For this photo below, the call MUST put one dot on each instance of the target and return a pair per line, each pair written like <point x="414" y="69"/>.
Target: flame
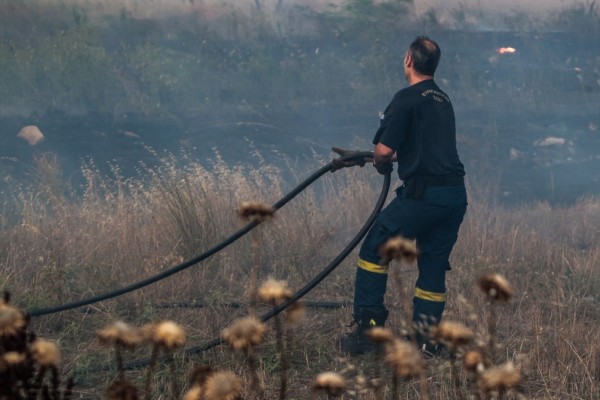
<point x="506" y="50"/>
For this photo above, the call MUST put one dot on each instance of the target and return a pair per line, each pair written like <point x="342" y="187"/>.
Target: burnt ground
<point x="528" y="124"/>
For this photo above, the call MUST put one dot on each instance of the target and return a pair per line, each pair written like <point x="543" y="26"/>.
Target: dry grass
<point x="57" y="247"/>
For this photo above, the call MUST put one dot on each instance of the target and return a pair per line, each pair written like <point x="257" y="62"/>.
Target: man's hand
<point x="339" y="164"/>
<point x="384" y="168"/>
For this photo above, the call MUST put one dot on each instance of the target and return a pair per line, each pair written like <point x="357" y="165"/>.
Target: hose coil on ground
<point x="347" y="159"/>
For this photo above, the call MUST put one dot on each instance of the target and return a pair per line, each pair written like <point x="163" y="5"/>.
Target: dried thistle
<point x="12" y="320"/>
<point x="200" y="374"/>
<point x="194" y="393"/>
<point x="167" y="334"/>
<point x="380" y="335"/>
<point x="255" y="211"/>
<point x="404" y="357"/>
<point x="274" y="292"/>
<point x="120" y="333"/>
<point x="400" y="249"/>
<point x="495" y="286"/>
<point x="122" y="390"/>
<point x="223" y="386"/>
<point x="453" y="334"/>
<point x="361" y="381"/>
<point x="14" y="357"/>
<point x="332" y="383"/>
<point x="500" y="379"/>
<point x="45" y="353"/>
<point x="474" y="361"/>
<point x="295" y="313"/>
<point x="244" y="333"/>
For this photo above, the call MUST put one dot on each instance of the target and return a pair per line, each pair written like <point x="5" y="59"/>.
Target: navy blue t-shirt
<point x="419" y="126"/>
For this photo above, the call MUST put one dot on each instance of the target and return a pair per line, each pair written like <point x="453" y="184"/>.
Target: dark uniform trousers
<point x="433" y="218"/>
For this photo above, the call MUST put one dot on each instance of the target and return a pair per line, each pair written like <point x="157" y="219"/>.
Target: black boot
<point x="356" y="343"/>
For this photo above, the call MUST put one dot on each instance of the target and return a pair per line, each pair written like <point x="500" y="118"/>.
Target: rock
<point x="549" y="141"/>
<point x="131" y="134"/>
<point x="31" y="134"/>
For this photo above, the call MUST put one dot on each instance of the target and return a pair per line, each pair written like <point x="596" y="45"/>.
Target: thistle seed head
<point x="244" y="333"/>
<point x="255" y="211"/>
<point x="13" y="357"/>
<point x="379" y="334"/>
<point x="332" y="383"/>
<point x="12" y="320"/>
<point x="495" y="286"/>
<point x="295" y="313"/>
<point x="167" y="334"/>
<point x="501" y="378"/>
<point x="400" y="249"/>
<point x="223" y="386"/>
<point x="45" y="353"/>
<point x="361" y="381"/>
<point x="404" y="357"/>
<point x="452" y="334"/>
<point x="194" y="393"/>
<point x="474" y="361"/>
<point x="274" y="292"/>
<point x="119" y="333"/>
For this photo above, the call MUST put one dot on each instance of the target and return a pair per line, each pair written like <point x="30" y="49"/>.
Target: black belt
<point x="415" y="186"/>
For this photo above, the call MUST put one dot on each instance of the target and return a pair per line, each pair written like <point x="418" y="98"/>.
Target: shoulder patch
<point x="436" y="95"/>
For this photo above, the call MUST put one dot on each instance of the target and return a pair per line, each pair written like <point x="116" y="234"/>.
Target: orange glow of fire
<point x="506" y="50"/>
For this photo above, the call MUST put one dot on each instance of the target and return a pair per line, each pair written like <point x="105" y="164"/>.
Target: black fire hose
<point x="309" y="286"/>
<point x="347" y="159"/>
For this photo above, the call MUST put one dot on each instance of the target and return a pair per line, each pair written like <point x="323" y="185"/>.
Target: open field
<point x="55" y="249"/>
<point x="157" y="129"/>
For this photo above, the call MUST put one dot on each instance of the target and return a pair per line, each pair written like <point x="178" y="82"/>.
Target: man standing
<point x="418" y="131"/>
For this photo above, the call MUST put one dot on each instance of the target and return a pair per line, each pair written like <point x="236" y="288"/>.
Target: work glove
<point x="384" y="168"/>
<point x="339" y="164"/>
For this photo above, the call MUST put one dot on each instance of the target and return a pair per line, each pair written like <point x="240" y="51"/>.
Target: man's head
<point x="422" y="58"/>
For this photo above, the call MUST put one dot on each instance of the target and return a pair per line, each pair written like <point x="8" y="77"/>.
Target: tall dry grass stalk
<point x="166" y="337"/>
<point x="259" y="213"/>
<point x="456" y="337"/>
<point x="404" y="252"/>
<point x="120" y="336"/>
<point x="274" y="293"/>
<point x="497" y="290"/>
<point x="245" y="334"/>
<point x="406" y="363"/>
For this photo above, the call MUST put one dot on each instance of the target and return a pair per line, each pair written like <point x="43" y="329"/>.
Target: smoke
<point x="537" y="7"/>
<point x="266" y="81"/>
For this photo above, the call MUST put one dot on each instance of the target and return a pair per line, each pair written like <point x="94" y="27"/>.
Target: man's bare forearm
<point x="383" y="154"/>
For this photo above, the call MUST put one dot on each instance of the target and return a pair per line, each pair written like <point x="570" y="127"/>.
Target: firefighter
<point x="417" y="130"/>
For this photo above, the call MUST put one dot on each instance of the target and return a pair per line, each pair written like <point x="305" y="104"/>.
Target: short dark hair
<point x="425" y="54"/>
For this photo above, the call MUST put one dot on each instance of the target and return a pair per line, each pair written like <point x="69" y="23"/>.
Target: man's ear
<point x="408" y="59"/>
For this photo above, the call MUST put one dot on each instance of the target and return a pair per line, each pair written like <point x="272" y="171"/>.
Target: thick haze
<point x="105" y="80"/>
<point x="530" y="6"/>
<point x="151" y="7"/>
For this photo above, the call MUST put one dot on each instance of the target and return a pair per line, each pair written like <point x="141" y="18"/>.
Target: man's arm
<point x="383" y="154"/>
